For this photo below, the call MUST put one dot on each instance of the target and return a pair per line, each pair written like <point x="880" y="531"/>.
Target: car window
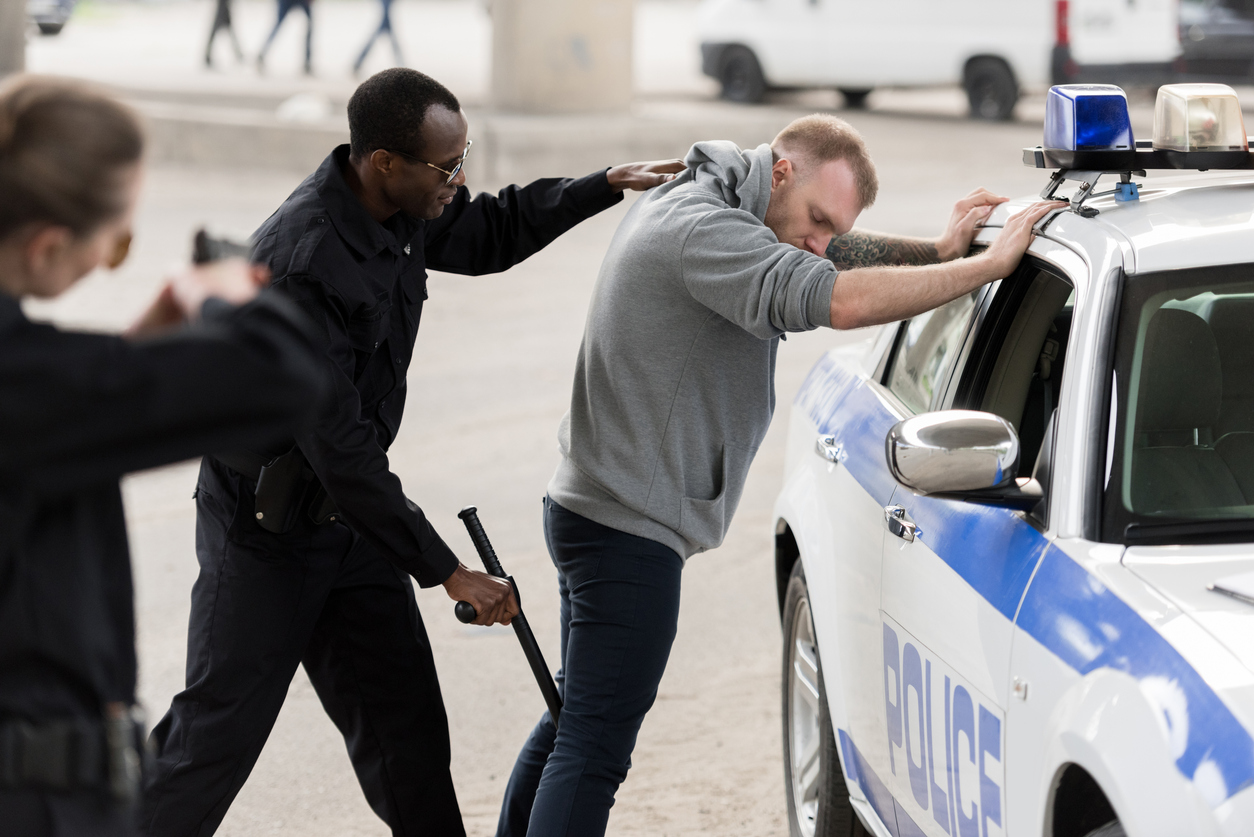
<point x="925" y="350"/>
<point x="1016" y="363"/>
<point x="1180" y="452"/>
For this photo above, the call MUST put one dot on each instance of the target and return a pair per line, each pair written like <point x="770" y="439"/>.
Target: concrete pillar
<point x="561" y="56"/>
<point x="12" y="36"/>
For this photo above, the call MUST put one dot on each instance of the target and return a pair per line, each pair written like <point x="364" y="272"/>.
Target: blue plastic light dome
<point x="1088" y="117"/>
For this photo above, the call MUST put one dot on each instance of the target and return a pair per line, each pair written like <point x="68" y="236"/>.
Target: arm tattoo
<point x="868" y="249"/>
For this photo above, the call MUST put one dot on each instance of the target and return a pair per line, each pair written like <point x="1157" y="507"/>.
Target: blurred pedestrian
<point x="286" y="6"/>
<point x="79" y="410"/>
<point x="385" y="28"/>
<point x="222" y="21"/>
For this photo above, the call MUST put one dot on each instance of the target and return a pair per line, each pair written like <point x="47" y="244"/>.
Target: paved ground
<point x="159" y="45"/>
<point x="489" y="382"/>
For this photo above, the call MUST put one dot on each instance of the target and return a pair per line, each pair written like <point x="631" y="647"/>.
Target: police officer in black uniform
<point x="76" y="412"/>
<point x="306" y="548"/>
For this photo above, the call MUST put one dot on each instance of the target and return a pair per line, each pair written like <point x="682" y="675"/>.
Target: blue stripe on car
<point x="885" y="805"/>
<point x="825" y="388"/>
<point x="876" y="792"/>
<point x="1067" y="609"/>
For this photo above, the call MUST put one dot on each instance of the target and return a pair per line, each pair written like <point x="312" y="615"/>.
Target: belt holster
<point x="283" y="489"/>
<point x="75" y="753"/>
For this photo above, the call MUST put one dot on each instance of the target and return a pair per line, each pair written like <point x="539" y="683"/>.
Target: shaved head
<point x="813" y="141"/>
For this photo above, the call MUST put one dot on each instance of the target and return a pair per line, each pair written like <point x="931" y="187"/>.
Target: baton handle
<point x="470" y="516"/>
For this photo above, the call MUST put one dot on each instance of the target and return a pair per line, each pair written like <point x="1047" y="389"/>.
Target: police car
<point x="1015" y="541"/>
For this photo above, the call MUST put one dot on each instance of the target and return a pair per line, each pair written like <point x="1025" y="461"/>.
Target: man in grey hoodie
<point x="674" y="390"/>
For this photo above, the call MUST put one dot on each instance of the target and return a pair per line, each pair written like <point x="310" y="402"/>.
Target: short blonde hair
<point x="821" y="138"/>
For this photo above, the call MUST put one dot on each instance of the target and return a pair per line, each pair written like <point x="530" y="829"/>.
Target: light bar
<point x="1199" y="118"/>
<point x="1196" y="126"/>
<point x="1087" y="117"/>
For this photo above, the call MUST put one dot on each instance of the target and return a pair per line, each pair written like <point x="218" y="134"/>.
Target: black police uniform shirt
<point x="76" y="412"/>
<point x="363" y="284"/>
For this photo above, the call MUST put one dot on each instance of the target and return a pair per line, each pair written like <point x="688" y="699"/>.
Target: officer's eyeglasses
<point x="118" y="253"/>
<point x="451" y="174"/>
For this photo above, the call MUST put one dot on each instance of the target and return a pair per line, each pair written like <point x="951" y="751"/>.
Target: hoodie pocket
<point x="703" y="522"/>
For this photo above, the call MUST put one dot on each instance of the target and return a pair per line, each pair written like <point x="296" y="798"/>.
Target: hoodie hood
<point x="742" y="179"/>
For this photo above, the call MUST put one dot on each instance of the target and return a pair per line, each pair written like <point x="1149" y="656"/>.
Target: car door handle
<point x="900" y="524"/>
<point x="828" y="448"/>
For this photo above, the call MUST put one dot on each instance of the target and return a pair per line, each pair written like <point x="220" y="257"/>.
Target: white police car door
<point x="953" y="575"/>
<point x="842" y="486"/>
<point x="946" y="653"/>
<point x="854" y="491"/>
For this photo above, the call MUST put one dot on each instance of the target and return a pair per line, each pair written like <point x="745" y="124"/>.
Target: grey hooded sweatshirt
<point x="675" y="381"/>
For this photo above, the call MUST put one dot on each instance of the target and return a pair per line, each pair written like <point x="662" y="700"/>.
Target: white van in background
<point x="993" y="48"/>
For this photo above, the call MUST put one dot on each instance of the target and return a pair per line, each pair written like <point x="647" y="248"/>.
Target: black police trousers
<point x="264" y="603"/>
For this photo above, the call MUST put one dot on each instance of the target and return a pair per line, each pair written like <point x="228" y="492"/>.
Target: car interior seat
<point x="1045" y="390"/>
<point x="1028" y="369"/>
<point x="1174" y="466"/>
<point x="1232" y="322"/>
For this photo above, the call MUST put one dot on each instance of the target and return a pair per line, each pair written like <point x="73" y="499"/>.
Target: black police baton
<point x="465" y="612"/>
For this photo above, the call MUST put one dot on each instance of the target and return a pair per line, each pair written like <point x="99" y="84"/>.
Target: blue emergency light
<point x="1087" y="117"/>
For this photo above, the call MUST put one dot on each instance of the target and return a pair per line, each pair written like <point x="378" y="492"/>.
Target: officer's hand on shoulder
<point x="641" y="176"/>
<point x="492" y="597"/>
<point x="182" y="297"/>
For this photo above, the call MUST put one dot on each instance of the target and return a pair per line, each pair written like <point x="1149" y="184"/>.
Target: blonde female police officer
<point x="76" y="412"/>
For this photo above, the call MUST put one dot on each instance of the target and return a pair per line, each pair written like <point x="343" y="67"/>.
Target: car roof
<point x="1181" y="220"/>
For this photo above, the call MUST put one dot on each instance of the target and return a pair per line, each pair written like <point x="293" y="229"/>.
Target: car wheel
<point x="818" y="798"/>
<point x="991" y="89"/>
<point x="1110" y="829"/>
<point x="855" y="98"/>
<point x="51" y="28"/>
<point x="741" y="76"/>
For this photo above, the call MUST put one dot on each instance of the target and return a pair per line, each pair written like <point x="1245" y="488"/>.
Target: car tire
<point x="1110" y="829"/>
<point x="992" y="91"/>
<point x="50" y="28"/>
<point x="818" y="798"/>
<point x="741" y="76"/>
<point x="855" y="98"/>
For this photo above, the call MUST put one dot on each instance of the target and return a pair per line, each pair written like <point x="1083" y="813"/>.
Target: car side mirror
<point x="962" y="455"/>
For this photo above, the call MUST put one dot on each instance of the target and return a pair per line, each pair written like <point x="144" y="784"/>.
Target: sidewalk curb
<point x="234" y="137"/>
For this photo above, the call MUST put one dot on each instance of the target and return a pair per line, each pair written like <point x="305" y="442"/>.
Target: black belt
<point x="74" y="753"/>
<point x="245" y="462"/>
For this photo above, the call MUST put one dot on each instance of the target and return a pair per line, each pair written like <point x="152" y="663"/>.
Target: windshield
<point x="1180" y="447"/>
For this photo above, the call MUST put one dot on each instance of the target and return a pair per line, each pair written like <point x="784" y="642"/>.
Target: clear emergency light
<point x="1088" y="117"/>
<point x="1199" y="118"/>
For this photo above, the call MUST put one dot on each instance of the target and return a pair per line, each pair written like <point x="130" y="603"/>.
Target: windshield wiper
<point x="1231" y="530"/>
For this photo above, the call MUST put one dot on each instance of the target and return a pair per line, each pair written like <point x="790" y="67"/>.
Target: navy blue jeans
<point x="619" y="609"/>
